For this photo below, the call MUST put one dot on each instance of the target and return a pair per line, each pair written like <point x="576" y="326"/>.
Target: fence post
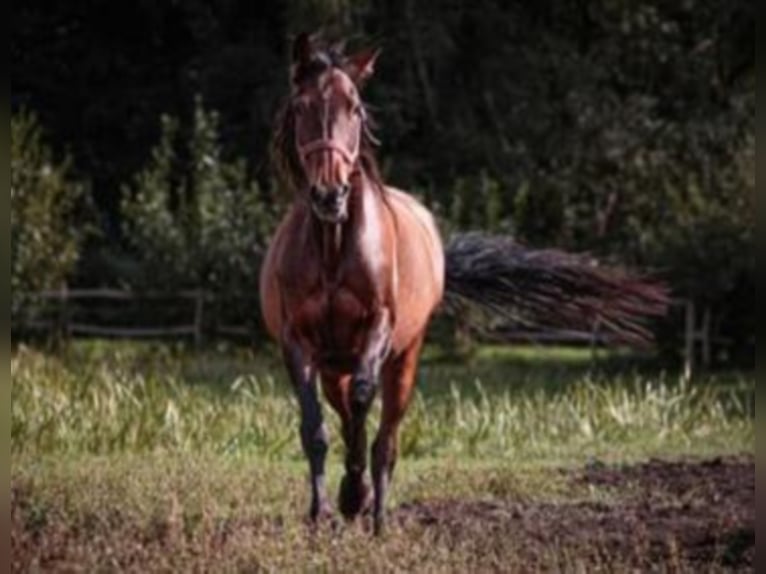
<point x="689" y="336"/>
<point x="593" y="343"/>
<point x="199" y="310"/>
<point x="63" y="315"/>
<point x="705" y="335"/>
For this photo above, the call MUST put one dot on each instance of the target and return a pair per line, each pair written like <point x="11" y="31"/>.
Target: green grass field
<point x="152" y="458"/>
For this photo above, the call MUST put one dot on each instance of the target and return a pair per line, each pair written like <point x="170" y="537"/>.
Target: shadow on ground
<point x="686" y="516"/>
<point x="664" y="513"/>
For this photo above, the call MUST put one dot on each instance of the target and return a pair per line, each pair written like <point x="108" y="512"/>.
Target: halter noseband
<point x="328" y="144"/>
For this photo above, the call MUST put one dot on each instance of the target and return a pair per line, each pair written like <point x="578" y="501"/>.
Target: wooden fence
<point x="64" y="318"/>
<point x="698" y="323"/>
<point x="195" y="326"/>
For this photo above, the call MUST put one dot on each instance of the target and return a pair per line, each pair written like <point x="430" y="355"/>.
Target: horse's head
<point x="329" y="123"/>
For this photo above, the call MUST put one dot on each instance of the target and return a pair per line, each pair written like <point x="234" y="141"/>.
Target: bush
<point x="194" y="220"/>
<point x="44" y="237"/>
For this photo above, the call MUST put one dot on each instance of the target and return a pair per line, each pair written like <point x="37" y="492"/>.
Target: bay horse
<point x="357" y="268"/>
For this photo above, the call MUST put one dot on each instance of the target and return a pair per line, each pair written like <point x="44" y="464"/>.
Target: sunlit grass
<point x="108" y="403"/>
<point x="155" y="458"/>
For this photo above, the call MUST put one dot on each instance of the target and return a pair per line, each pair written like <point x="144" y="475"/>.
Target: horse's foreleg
<point x="366" y="375"/>
<point x="398" y="382"/>
<point x="313" y="431"/>
<point x="354" y="494"/>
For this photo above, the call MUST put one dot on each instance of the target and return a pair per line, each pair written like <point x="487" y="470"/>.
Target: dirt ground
<point x="692" y="516"/>
<point x="664" y="513"/>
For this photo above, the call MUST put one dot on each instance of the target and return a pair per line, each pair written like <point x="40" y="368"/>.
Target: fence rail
<point x="698" y="327"/>
<point x="194" y="326"/>
<point x="120" y="294"/>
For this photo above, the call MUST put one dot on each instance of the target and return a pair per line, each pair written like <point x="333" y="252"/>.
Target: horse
<point x="357" y="268"/>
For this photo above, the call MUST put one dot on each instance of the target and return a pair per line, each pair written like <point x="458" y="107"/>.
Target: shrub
<point x="44" y="236"/>
<point x="193" y="219"/>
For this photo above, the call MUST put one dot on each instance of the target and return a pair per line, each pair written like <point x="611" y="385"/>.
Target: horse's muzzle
<point x="330" y="204"/>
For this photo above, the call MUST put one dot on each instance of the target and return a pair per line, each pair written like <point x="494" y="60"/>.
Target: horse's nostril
<point x="338" y="193"/>
<point x="330" y="197"/>
<point x="315" y="193"/>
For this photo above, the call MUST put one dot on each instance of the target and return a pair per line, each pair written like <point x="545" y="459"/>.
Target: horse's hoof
<point x="319" y="514"/>
<point x="355" y="497"/>
<point x="379" y="525"/>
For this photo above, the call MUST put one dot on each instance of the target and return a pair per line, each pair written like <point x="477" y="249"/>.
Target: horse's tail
<point x="493" y="277"/>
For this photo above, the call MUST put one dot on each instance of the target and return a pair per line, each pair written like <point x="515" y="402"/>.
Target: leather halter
<point x="327" y="143"/>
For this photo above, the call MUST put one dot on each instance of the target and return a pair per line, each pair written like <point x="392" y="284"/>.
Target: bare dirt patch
<point x="687" y="514"/>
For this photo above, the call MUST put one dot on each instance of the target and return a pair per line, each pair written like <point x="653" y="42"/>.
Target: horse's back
<point x="420" y="266"/>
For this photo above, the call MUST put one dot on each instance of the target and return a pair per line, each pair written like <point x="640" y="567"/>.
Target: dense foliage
<point x="619" y="128"/>
<point x="44" y="233"/>
<point x="192" y="218"/>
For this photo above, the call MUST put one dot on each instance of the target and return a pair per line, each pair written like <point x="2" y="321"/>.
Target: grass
<point x="153" y="457"/>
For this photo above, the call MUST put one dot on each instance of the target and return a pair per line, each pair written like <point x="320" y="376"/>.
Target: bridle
<point x="327" y="143"/>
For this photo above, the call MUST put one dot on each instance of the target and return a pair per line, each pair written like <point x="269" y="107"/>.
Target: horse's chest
<point x="333" y="322"/>
<point x="332" y="308"/>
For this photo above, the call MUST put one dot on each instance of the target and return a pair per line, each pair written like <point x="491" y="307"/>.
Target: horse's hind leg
<point x="399" y="375"/>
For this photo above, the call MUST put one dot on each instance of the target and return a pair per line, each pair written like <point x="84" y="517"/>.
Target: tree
<point x="192" y="219"/>
<point x="577" y="124"/>
<point x="45" y="235"/>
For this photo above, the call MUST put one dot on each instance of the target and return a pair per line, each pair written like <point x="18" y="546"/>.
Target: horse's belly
<point x="420" y="269"/>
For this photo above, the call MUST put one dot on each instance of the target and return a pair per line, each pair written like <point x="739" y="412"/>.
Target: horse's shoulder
<point x="290" y="251"/>
<point x="290" y="227"/>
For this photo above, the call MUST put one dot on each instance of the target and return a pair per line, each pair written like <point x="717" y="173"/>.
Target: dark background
<point x="626" y="129"/>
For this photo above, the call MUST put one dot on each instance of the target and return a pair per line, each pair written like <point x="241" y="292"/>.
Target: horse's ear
<point x="302" y="54"/>
<point x="301" y="51"/>
<point x="361" y="65"/>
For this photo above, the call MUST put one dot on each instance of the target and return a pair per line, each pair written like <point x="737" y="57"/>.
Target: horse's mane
<point x="284" y="153"/>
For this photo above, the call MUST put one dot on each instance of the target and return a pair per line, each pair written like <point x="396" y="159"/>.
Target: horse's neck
<point x="338" y="241"/>
<point x="331" y="236"/>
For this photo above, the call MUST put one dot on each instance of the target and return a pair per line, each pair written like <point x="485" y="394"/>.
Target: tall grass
<point x="112" y="403"/>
